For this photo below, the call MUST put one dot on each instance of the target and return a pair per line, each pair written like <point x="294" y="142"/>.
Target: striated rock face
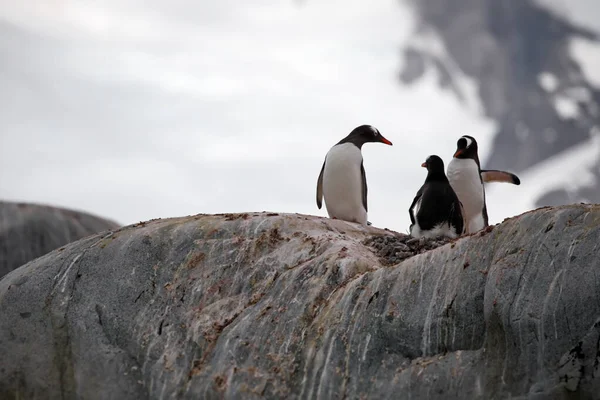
<point x="294" y="306"/>
<point x="28" y="231"/>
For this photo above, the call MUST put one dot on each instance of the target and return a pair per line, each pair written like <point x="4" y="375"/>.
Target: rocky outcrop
<point x="28" y="231"/>
<point x="294" y="306"/>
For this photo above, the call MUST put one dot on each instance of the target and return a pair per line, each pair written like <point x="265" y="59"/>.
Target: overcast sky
<point x="136" y="109"/>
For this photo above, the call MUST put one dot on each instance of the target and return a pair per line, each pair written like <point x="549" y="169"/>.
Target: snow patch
<point x="587" y="53"/>
<point x="548" y="81"/>
<point x="566" y="107"/>
<point x="582" y="13"/>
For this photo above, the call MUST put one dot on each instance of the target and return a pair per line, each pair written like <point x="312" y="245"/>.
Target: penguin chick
<point x="343" y="181"/>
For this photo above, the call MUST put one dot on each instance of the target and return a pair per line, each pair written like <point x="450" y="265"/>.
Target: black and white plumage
<point x="343" y="181"/>
<point x="436" y="210"/>
<point x="467" y="179"/>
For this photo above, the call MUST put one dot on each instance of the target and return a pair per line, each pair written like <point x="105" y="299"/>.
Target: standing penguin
<point x="343" y="181"/>
<point x="466" y="178"/>
<point x="436" y="210"/>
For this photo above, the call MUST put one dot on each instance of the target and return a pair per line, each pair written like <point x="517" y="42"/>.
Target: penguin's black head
<point x="434" y="164"/>
<point x="435" y="169"/>
<point x="365" y="134"/>
<point x="466" y="147"/>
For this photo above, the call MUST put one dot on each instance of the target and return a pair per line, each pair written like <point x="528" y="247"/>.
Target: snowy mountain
<point x="535" y="67"/>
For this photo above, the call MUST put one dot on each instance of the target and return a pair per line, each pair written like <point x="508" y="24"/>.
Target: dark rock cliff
<point x="294" y="306"/>
<point x="28" y="231"/>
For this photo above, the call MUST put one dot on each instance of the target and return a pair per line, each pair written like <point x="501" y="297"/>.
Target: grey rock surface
<point x="28" y="231"/>
<point x="294" y="306"/>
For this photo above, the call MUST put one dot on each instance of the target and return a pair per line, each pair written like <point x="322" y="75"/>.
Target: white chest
<point x="342" y="183"/>
<point x="465" y="179"/>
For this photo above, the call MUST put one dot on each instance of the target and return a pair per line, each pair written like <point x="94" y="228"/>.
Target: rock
<point x="28" y="231"/>
<point x="294" y="306"/>
<point x="393" y="249"/>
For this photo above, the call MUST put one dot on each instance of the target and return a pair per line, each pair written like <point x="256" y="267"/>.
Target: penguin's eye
<point x="464" y="142"/>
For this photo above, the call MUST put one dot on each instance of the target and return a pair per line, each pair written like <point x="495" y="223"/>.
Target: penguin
<point x="467" y="178"/>
<point x="436" y="210"/>
<point x="342" y="181"/>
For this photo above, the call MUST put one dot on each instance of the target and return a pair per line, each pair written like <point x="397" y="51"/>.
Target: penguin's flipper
<point x="492" y="175"/>
<point x="412" y="206"/>
<point x="363" y="177"/>
<point x="456" y="216"/>
<point x="320" y="186"/>
<point x="485" y="216"/>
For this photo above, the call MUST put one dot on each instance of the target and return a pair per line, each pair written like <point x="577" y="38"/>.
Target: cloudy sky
<point x="136" y="109"/>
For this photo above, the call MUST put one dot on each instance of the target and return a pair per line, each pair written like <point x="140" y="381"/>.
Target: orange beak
<point x="424" y="165"/>
<point x="384" y="140"/>
<point x="458" y="152"/>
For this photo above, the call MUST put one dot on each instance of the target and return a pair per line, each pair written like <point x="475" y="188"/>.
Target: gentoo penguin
<point x="343" y="181"/>
<point x="467" y="178"/>
<point x="436" y="210"/>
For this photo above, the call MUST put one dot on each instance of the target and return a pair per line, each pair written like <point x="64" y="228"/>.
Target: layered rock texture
<point x="294" y="306"/>
<point x="28" y="231"/>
